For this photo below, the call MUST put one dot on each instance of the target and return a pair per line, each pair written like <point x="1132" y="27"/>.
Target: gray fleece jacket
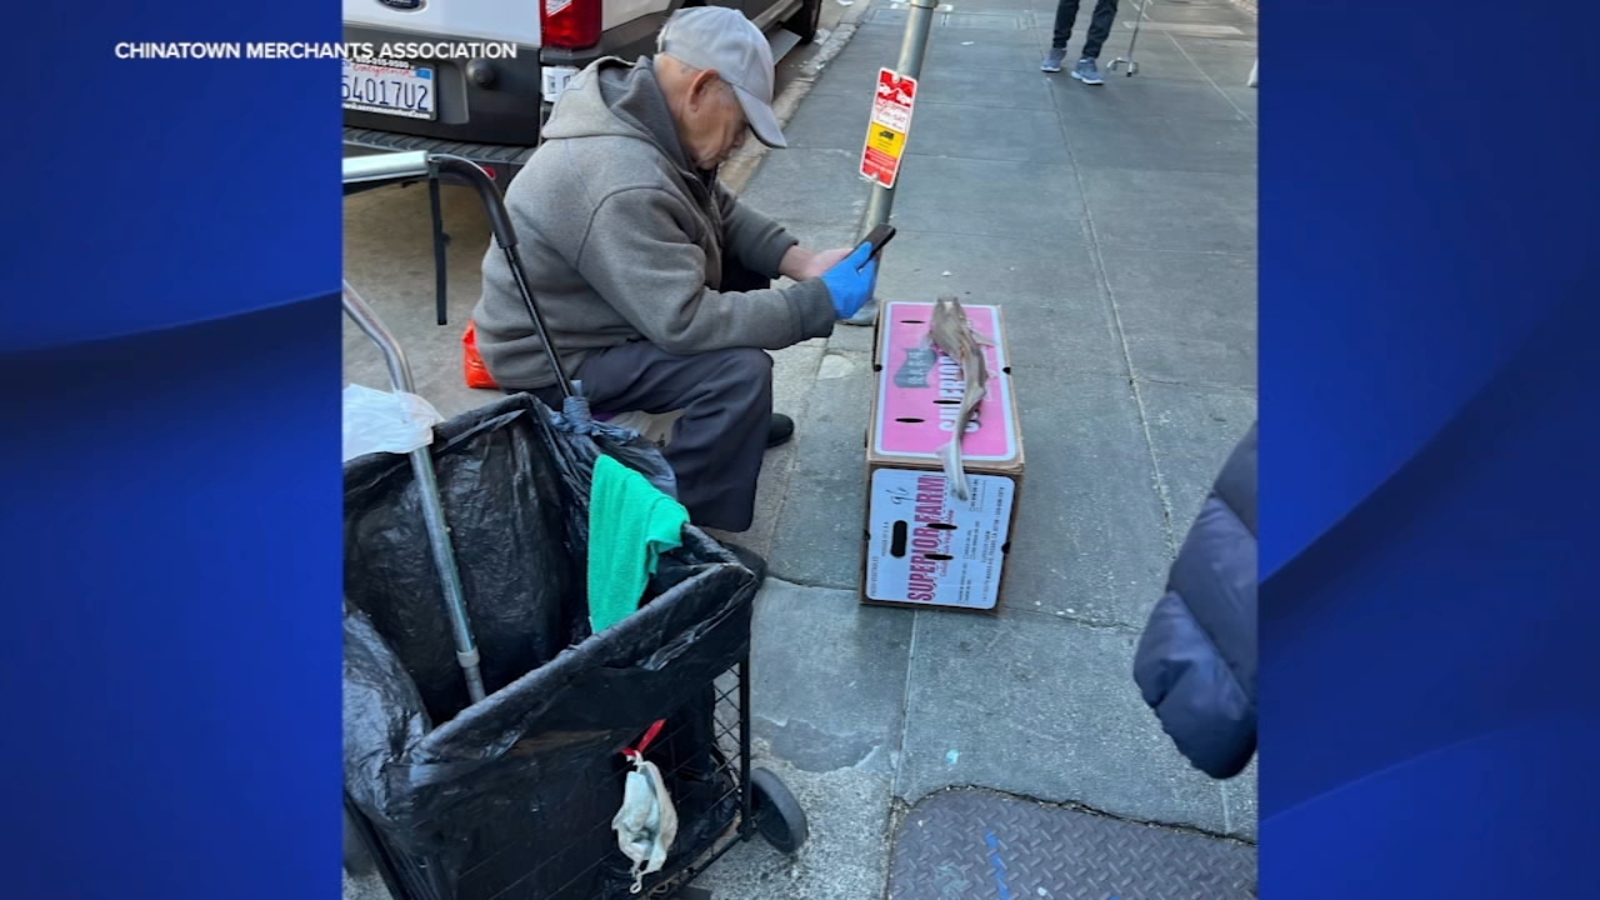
<point x="623" y="240"/>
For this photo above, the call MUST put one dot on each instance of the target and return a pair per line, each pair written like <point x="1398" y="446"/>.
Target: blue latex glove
<point x="851" y="282"/>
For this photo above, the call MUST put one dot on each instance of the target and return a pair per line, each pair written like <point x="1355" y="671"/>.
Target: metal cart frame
<point x="759" y="801"/>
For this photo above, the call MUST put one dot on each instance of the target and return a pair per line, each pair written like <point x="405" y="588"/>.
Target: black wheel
<point x="778" y="815"/>
<point x="805" y="20"/>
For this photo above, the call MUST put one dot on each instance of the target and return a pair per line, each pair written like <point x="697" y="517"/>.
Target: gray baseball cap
<point x="724" y="39"/>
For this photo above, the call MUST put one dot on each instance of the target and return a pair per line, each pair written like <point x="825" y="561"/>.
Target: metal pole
<point x="444" y="557"/>
<point x="441" y="264"/>
<point x="912" y="49"/>
<point x="386" y="167"/>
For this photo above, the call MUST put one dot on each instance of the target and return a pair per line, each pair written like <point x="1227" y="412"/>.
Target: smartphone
<point x="879" y="237"/>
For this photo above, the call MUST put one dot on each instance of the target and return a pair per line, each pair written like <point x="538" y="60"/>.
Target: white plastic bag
<point x="386" y="422"/>
<point x="656" y="428"/>
<point x="647" y="823"/>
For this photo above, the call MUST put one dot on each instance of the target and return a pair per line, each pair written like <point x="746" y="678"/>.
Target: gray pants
<point x="1105" y="15"/>
<point x="718" y="443"/>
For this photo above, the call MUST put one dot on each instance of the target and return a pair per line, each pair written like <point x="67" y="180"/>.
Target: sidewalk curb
<point x="737" y="172"/>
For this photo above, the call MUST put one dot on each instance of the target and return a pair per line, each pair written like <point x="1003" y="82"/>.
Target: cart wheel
<point x="778" y="815"/>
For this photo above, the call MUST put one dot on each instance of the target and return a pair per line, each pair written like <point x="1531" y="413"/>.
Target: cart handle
<point x="493" y="204"/>
<point x="414" y="164"/>
<point x="411" y="165"/>
<point x="506" y="237"/>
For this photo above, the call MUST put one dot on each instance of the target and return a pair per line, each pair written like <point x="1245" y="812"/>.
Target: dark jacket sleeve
<point x="1196" y="661"/>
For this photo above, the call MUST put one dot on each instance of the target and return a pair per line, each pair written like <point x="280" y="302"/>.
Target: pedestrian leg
<point x="1105" y="16"/>
<point x="719" y="440"/>
<point x="1066" y="14"/>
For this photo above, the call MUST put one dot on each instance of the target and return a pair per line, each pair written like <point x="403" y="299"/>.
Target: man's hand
<point x="801" y="264"/>
<point x="851" y="281"/>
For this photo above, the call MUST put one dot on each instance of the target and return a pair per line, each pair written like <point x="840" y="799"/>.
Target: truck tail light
<point x="570" y="24"/>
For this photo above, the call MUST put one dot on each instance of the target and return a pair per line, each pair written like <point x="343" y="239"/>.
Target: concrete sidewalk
<point x="1116" y="225"/>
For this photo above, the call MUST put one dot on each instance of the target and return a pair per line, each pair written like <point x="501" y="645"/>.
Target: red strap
<point x="644" y="742"/>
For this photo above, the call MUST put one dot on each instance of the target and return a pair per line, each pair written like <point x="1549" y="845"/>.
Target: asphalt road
<point x="796" y="59"/>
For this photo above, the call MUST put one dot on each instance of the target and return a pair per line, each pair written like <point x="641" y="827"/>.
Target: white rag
<point x="647" y="823"/>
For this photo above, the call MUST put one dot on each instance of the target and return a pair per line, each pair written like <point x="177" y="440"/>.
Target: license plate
<point x="390" y="88"/>
<point x="555" y="81"/>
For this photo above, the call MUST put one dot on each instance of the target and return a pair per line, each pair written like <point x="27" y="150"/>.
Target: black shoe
<point x="749" y="559"/>
<point x="780" y="431"/>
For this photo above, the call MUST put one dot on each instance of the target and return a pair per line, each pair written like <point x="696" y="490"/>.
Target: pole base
<point x="866" y="317"/>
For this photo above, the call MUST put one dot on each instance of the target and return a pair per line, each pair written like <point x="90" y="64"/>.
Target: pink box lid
<point x="911" y="422"/>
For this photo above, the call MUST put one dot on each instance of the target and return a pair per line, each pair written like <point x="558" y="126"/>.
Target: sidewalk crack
<point x="1209" y="80"/>
<point x="1216" y="386"/>
<point x="1080" y="622"/>
<point x="1086" y="809"/>
<point x="798" y="582"/>
<point x="1227" y="808"/>
<point x="897" y="760"/>
<point x="1097" y="255"/>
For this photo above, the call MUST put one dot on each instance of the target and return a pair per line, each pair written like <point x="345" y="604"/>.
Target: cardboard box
<point x="925" y="548"/>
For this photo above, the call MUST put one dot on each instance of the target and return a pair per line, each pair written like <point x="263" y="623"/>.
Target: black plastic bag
<point x="513" y="797"/>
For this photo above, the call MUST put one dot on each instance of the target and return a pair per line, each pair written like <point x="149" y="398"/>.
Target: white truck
<point x="490" y="108"/>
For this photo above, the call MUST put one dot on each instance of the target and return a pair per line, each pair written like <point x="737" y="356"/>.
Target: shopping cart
<point x="488" y="765"/>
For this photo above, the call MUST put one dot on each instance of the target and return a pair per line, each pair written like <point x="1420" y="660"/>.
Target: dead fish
<point x="952" y="333"/>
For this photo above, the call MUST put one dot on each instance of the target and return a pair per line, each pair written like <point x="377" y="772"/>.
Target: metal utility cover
<point x="976" y="845"/>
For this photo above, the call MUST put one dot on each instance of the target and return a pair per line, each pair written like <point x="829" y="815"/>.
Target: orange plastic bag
<point x="477" y="374"/>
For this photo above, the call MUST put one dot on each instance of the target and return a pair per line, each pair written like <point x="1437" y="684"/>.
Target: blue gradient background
<point x="169" y="458"/>
<point x="169" y="497"/>
<point x="1430" y="726"/>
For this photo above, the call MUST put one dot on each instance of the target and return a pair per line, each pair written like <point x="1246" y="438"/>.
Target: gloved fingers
<point x="854" y="261"/>
<point x="864" y="257"/>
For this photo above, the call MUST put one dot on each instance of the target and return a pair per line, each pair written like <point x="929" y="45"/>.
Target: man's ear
<point x="701" y="84"/>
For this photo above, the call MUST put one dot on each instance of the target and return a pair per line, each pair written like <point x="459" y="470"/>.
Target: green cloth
<point x="631" y="523"/>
